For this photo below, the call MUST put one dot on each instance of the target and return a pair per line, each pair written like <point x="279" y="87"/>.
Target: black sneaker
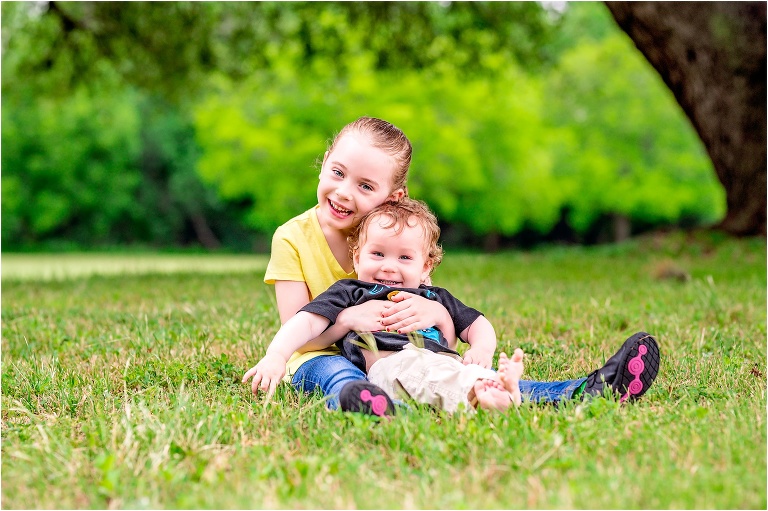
<point x="630" y="371"/>
<point x="365" y="397"/>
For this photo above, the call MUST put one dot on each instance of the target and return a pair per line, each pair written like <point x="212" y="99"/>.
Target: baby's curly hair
<point x="406" y="210"/>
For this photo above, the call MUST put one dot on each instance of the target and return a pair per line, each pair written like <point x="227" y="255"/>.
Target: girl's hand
<point x="409" y="312"/>
<point x="365" y="317"/>
<point x="266" y="374"/>
<point x="480" y="356"/>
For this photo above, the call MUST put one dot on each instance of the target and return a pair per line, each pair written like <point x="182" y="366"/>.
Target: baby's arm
<point x="482" y="342"/>
<point x="297" y="331"/>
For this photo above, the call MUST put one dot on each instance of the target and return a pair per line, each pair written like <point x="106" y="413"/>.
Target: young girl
<point x="366" y="165"/>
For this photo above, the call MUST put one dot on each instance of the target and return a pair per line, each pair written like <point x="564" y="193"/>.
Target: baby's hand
<point x="266" y="374"/>
<point x="411" y="312"/>
<point x="365" y="317"/>
<point x="479" y="356"/>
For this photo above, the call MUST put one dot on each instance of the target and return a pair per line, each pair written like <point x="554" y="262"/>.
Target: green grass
<point x="122" y="391"/>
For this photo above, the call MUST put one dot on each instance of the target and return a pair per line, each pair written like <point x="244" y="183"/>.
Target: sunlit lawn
<point x="72" y="265"/>
<point x="121" y="389"/>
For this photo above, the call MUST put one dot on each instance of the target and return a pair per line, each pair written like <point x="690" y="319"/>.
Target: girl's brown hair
<point x="387" y="137"/>
<point x="404" y="212"/>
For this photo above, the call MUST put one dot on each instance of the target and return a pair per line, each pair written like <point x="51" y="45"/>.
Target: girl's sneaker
<point x="630" y="371"/>
<point x="365" y="397"/>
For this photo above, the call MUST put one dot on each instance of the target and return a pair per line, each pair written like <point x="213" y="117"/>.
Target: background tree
<point x="525" y="124"/>
<point x="172" y="47"/>
<point x="712" y="55"/>
<point x="69" y="170"/>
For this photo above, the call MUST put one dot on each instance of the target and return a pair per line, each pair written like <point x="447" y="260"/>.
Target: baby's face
<point x="392" y="259"/>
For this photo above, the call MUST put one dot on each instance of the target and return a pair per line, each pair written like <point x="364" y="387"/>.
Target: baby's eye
<point x="337" y="172"/>
<point x="408" y="258"/>
<point x="366" y="187"/>
<point x="377" y="254"/>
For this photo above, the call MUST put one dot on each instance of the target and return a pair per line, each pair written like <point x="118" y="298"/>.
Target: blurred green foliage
<point x="69" y="164"/>
<point x="203" y="123"/>
<point x="639" y="160"/>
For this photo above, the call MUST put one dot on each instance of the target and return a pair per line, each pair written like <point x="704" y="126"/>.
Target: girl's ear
<point x="396" y="195"/>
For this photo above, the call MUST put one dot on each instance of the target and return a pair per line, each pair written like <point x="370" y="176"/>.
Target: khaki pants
<point x="427" y="377"/>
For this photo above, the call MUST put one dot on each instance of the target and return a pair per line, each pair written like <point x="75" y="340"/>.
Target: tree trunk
<point x="204" y="232"/>
<point x="712" y="55"/>
<point x="492" y="242"/>
<point x="622" y="228"/>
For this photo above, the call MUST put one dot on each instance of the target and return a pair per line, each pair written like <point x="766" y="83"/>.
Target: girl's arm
<point x="297" y="331"/>
<point x="291" y="297"/>
<point x="482" y="342"/>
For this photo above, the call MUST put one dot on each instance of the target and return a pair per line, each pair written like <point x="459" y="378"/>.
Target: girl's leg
<point x="329" y="374"/>
<point x="549" y="391"/>
<point x="629" y="373"/>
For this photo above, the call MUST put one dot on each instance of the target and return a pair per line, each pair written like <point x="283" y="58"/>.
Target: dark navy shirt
<point x="348" y="292"/>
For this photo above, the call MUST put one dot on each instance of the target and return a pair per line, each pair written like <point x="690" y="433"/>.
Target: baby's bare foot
<point x="491" y="395"/>
<point x="510" y="372"/>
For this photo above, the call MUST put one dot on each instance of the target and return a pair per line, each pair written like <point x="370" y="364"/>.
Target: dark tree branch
<point x="712" y="56"/>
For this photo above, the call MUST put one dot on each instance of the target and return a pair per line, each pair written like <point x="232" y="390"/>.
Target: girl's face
<point x="355" y="178"/>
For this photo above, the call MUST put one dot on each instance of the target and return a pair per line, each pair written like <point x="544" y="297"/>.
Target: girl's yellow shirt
<point x="301" y="253"/>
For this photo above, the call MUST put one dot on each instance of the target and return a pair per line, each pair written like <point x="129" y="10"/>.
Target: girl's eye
<point x="408" y="258"/>
<point x="337" y="172"/>
<point x="366" y="187"/>
<point x="378" y="254"/>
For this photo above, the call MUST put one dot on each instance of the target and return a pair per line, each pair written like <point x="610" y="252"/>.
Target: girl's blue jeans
<point x="329" y="374"/>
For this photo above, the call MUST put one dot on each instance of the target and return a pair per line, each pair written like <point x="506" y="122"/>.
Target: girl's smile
<point x="338" y="210"/>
